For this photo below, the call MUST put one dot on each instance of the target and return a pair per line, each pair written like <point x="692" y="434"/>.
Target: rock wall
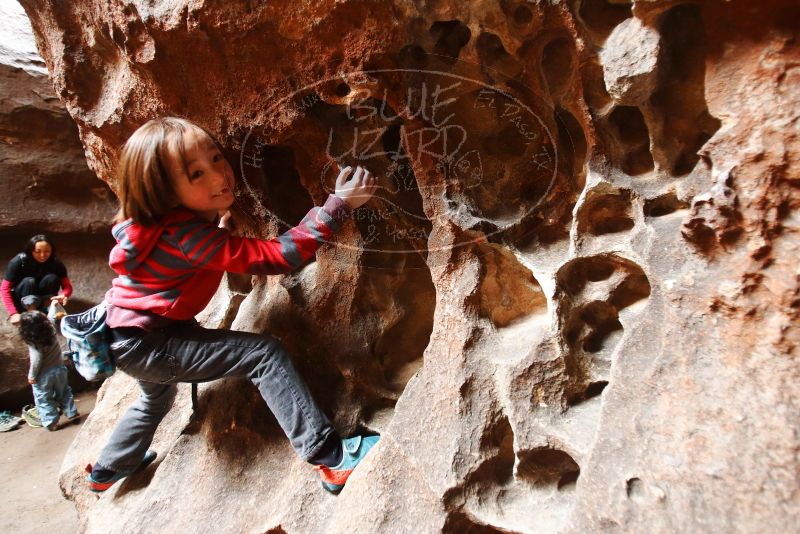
<point x="572" y="305"/>
<point x="46" y="187"/>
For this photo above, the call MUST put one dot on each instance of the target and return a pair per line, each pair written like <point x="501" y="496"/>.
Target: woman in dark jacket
<point x="34" y="278"/>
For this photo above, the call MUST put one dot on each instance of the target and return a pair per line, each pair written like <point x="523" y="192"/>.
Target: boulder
<point x="630" y="61"/>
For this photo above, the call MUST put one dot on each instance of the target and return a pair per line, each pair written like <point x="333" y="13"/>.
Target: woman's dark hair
<point x="31" y="244"/>
<point x="36" y="329"/>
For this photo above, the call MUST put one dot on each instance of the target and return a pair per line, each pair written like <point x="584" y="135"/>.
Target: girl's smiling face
<point x="205" y="185"/>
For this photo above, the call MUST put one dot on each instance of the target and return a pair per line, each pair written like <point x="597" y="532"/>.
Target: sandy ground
<point x="29" y="492"/>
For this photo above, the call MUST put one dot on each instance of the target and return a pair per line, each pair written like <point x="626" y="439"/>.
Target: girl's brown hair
<point x="143" y="185"/>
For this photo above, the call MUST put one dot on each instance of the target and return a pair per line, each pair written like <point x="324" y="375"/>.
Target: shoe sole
<point x="333" y="488"/>
<point x="100" y="487"/>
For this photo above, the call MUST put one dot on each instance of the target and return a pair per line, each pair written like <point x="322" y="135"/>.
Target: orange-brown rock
<point x="566" y="310"/>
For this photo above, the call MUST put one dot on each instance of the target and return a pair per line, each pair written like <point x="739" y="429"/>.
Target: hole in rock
<point x="568" y="481"/>
<point x="591" y="291"/>
<point x="551" y="234"/>
<point x="594" y="389"/>
<point x="688" y="157"/>
<point x="450" y="36"/>
<point x="573" y="276"/>
<point x="492" y="53"/>
<point x="602" y="319"/>
<point x="522" y="15"/>
<point x="342" y="90"/>
<point x="639" y="161"/>
<point x="594" y="341"/>
<point x="679" y="99"/>
<point x="572" y="142"/>
<point x="547" y="466"/>
<point x="633" y="289"/>
<point x="606" y="214"/>
<point x="396" y="296"/>
<point x="240" y="282"/>
<point x="497" y="441"/>
<point x="630" y="125"/>
<point x="377" y="413"/>
<point x="557" y="65"/>
<point x="597" y="271"/>
<point x="729" y="237"/>
<point x="633" y="156"/>
<point x="664" y="205"/>
<point x="594" y="86"/>
<point x="391" y="141"/>
<point x="412" y="57"/>
<point x="602" y="16"/>
<point x="783" y="210"/>
<point x="508" y="290"/>
<point x="498" y="151"/>
<point x="573" y="328"/>
<point x="490" y="49"/>
<point x="701" y="235"/>
<point x="284" y="194"/>
<point x="634" y="489"/>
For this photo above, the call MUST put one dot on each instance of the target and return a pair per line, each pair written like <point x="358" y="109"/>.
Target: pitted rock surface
<point x="607" y="347"/>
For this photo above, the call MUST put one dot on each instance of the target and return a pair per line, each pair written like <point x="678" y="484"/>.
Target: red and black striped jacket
<point x="173" y="268"/>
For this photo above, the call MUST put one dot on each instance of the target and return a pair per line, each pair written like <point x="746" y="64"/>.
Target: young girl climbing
<point x="175" y="187"/>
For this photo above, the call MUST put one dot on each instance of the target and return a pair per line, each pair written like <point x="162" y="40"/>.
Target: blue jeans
<point x="51" y="392"/>
<point x="191" y="353"/>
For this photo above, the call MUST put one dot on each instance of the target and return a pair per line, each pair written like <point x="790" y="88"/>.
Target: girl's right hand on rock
<point x="357" y="190"/>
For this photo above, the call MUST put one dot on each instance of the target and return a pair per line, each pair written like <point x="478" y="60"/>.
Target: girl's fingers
<point x="370" y="184"/>
<point x="343" y="174"/>
<point x="366" y="180"/>
<point x="359" y="174"/>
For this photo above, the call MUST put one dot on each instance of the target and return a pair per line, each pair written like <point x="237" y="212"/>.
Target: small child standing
<point x="175" y="187"/>
<point x="47" y="374"/>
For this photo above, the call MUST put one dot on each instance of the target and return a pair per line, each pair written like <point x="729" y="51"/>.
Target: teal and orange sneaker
<point x="353" y="451"/>
<point x="99" y="484"/>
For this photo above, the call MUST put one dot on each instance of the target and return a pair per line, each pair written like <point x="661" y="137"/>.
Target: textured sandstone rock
<point x="46" y="187"/>
<point x="630" y="61"/>
<point x="46" y="184"/>
<point x="581" y="319"/>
